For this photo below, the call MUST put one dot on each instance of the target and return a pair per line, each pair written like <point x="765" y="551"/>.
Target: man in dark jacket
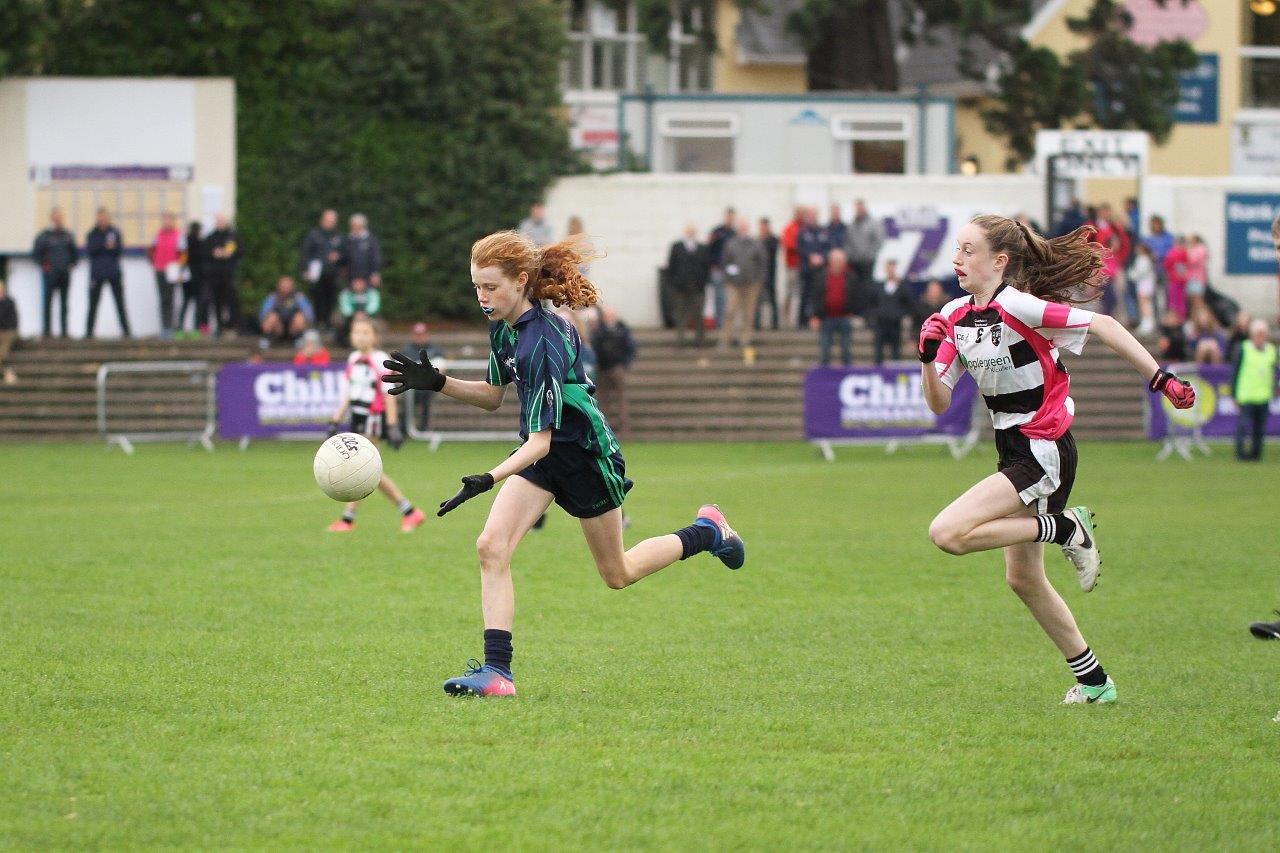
<point x="321" y="257"/>
<point x="688" y="269"/>
<point x="362" y="253"/>
<point x="716" y="241"/>
<point x="768" y="292"/>
<point x="222" y="262"/>
<point x="615" y="349"/>
<point x="104" y="245"/>
<point x="812" y="246"/>
<point x="890" y="304"/>
<point x="55" y="253"/>
<point x="831" y="312"/>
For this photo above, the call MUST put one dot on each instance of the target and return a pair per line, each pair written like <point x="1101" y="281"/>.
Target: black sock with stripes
<point x="1086" y="669"/>
<point x="497" y="648"/>
<point x="404" y="506"/>
<point x="695" y="539"/>
<point x="1057" y="528"/>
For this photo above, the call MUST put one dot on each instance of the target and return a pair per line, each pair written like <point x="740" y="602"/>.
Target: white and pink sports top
<point x="1010" y="345"/>
<point x="364" y="378"/>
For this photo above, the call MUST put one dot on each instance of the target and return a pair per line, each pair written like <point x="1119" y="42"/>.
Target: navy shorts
<point x="583" y="484"/>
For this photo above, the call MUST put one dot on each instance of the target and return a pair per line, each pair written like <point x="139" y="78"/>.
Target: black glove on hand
<point x="472" y="485"/>
<point x="395" y="436"/>
<point x="334" y="428"/>
<point x="407" y="373"/>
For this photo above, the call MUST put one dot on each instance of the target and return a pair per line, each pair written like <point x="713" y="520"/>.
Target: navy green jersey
<point x="540" y="354"/>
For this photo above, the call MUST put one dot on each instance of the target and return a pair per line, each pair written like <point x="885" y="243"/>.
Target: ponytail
<point x="1062" y="269"/>
<point x="554" y="271"/>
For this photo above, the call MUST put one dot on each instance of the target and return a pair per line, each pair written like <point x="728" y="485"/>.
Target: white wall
<point x="141" y="299"/>
<point x="634" y="218"/>
<point x="1198" y="205"/>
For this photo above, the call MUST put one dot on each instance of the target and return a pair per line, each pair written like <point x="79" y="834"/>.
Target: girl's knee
<point x="946" y="537"/>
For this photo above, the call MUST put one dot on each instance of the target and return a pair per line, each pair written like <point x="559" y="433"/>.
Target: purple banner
<point x="266" y="400"/>
<point x="1215" y="410"/>
<point x="879" y="402"/>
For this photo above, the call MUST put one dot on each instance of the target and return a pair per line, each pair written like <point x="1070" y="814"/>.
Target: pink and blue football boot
<point x="728" y="545"/>
<point x="481" y="680"/>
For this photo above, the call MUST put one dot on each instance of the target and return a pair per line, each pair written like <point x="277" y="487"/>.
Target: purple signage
<point x="266" y="400"/>
<point x="879" y="402"/>
<point x="1215" y="410"/>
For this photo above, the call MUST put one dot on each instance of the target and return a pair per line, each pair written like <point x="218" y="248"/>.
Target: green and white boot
<point x="1085" y="694"/>
<point x="1083" y="554"/>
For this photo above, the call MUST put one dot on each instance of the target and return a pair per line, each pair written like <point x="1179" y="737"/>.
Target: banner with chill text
<point x="1215" y="410"/>
<point x="273" y="400"/>
<point x="879" y="402"/>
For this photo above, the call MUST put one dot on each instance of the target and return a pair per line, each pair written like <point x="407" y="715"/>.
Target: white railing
<point x="199" y="373"/>
<point x="434" y="437"/>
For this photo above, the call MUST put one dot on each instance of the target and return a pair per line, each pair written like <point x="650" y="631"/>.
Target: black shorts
<point x="1042" y="471"/>
<point x="583" y="484"/>
<point x="369" y="425"/>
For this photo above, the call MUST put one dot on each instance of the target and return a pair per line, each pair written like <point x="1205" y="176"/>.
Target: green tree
<point x="440" y="121"/>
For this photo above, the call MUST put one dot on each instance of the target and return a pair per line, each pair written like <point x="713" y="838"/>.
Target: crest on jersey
<point x="510" y="362"/>
<point x="995" y="334"/>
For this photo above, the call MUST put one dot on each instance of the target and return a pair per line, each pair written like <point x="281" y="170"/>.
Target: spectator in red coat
<point x="832" y="313"/>
<point x="312" y="351"/>
<point x="791" y="262"/>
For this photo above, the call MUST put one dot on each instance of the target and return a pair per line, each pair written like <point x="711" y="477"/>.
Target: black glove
<point x="407" y="373"/>
<point x="334" y="428"/>
<point x="472" y="485"/>
<point x="395" y="436"/>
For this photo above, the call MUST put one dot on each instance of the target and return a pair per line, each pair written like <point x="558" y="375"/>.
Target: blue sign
<point x="1250" y="250"/>
<point x="1198" y="93"/>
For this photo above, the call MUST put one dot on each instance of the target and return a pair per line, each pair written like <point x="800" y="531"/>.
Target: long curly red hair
<point x="553" y="270"/>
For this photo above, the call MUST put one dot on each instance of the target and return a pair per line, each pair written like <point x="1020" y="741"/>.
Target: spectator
<point x="1112" y="234"/>
<point x="688" y="270"/>
<point x="836" y="230"/>
<point x="1241" y="327"/>
<point x="615" y="349"/>
<point x="768" y="291"/>
<point x="536" y="227"/>
<point x="285" y="313"/>
<point x="361" y="252"/>
<point x="8" y="333"/>
<point x="311" y="351"/>
<point x="1072" y="218"/>
<point x="1159" y="241"/>
<point x="195" y="292"/>
<point x="1143" y="277"/>
<point x="166" y="262"/>
<point x="832" y="315"/>
<point x="1275" y="237"/>
<point x="1253" y="387"/>
<point x="1132" y="216"/>
<point x="55" y="253"/>
<point x="1197" y="273"/>
<point x="1208" y="343"/>
<point x="719" y="236"/>
<point x="1173" y="338"/>
<point x="743" y="260"/>
<point x="891" y="303"/>
<point x="320" y="265"/>
<point x="103" y="245"/>
<point x="791" y="265"/>
<point x="220" y="264"/>
<point x="358" y="300"/>
<point x="578" y="231"/>
<point x="419" y="341"/>
<point x="862" y="244"/>
<point x="812" y="246"/>
<point x="1175" y="276"/>
<point x="932" y="300"/>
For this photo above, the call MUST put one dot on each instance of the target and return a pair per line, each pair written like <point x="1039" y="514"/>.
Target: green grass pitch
<point x="187" y="659"/>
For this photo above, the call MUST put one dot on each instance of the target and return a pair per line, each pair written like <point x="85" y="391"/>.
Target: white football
<point x="347" y="467"/>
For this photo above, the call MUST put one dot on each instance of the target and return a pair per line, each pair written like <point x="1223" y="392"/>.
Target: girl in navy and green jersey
<point x="568" y="453"/>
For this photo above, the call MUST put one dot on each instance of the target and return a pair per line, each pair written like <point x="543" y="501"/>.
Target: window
<point x="608" y="53"/>
<point x="1260" y="62"/>
<point x="700" y="154"/>
<point x="879" y="142"/>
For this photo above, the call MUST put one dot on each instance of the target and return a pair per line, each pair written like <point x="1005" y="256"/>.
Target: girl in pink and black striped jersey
<point x="373" y="415"/>
<point x="1008" y="333"/>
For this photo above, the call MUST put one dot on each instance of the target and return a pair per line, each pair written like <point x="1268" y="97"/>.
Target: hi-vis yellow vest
<point x="1257" y="374"/>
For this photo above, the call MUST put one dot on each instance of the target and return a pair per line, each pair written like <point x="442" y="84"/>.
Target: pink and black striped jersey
<point x="1010" y="345"/>
<point x="364" y="378"/>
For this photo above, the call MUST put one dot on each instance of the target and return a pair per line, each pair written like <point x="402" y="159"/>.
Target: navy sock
<point x="349" y="516"/>
<point x="695" y="539"/>
<point x="497" y="648"/>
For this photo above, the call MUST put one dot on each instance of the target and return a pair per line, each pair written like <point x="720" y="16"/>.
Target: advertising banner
<point x="880" y="402"/>
<point x="1250" y="250"/>
<point x="271" y="400"/>
<point x="1215" y="411"/>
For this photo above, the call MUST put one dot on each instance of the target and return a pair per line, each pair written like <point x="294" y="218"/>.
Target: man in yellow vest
<point x="1253" y="387"/>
